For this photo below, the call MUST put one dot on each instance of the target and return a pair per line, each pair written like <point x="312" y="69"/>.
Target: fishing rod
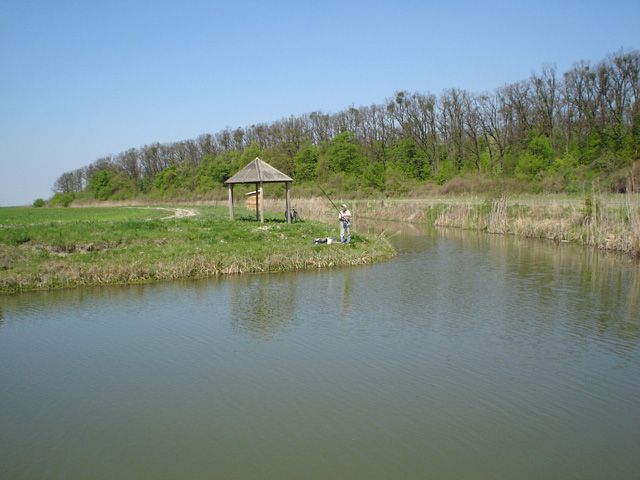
<point x="328" y="198"/>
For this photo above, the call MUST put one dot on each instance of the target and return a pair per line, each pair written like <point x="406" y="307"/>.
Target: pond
<point x="467" y="356"/>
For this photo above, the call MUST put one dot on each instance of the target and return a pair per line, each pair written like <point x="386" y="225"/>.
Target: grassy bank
<point x="610" y="222"/>
<point x="57" y="248"/>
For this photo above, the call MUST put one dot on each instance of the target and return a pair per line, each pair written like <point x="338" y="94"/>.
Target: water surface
<point x="468" y="356"/>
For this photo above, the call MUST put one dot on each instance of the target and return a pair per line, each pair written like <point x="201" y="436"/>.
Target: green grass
<point x="93" y="246"/>
<point x="12" y="216"/>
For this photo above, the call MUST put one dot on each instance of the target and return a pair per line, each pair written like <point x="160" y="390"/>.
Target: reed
<point x="593" y="224"/>
<point x="610" y="222"/>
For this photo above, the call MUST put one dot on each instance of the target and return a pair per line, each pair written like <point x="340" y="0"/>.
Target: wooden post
<point x="257" y="201"/>
<point x="288" y="202"/>
<point x="231" y="201"/>
<point x="261" y="204"/>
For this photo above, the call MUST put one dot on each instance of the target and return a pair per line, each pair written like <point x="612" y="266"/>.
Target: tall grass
<point x="610" y="222"/>
<point x="594" y="223"/>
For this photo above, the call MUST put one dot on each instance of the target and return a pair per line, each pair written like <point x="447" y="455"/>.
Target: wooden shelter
<point x="259" y="172"/>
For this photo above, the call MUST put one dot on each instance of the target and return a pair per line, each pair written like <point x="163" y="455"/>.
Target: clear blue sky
<point x="83" y="79"/>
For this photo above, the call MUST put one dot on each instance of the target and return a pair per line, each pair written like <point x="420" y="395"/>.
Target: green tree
<point x="375" y="176"/>
<point x="61" y="199"/>
<point x="344" y="154"/>
<point x="536" y="159"/>
<point x="180" y="176"/>
<point x="167" y="178"/>
<point x="248" y="155"/>
<point x="540" y="146"/>
<point x="212" y="172"/>
<point x="445" y="172"/>
<point x="410" y="159"/>
<point x="278" y="158"/>
<point x="100" y="185"/>
<point x="306" y="162"/>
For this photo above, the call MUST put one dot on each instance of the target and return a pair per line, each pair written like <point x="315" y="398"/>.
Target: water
<point x="468" y="356"/>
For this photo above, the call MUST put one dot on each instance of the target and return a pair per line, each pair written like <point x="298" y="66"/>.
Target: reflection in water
<point x="30" y="302"/>
<point x="582" y="281"/>
<point x="391" y="229"/>
<point x="263" y="304"/>
<point x="347" y="292"/>
<point x="35" y="301"/>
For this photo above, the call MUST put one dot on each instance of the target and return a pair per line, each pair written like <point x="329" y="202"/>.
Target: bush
<point x="18" y="237"/>
<point x="396" y="182"/>
<point x="62" y="199"/>
<point x="406" y="156"/>
<point x="212" y="172"/>
<point x="445" y="173"/>
<point x="530" y="165"/>
<point x="306" y="162"/>
<point x="176" y="178"/>
<point x="375" y="176"/>
<point x="38" y="203"/>
<point x="107" y="184"/>
<point x="540" y="146"/>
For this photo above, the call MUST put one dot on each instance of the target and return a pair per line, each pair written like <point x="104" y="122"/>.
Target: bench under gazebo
<point x="258" y="172"/>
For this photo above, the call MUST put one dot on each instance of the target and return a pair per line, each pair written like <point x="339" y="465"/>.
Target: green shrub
<point x="540" y="146"/>
<point x="18" y="237"/>
<point x="107" y="184"/>
<point x="445" y="173"/>
<point x="529" y="165"/>
<point x="212" y="172"/>
<point x="375" y="176"/>
<point x="406" y="156"/>
<point x="62" y="199"/>
<point x="306" y="162"/>
<point x="38" y="203"/>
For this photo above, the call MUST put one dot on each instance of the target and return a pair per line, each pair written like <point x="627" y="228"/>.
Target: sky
<point x="80" y="80"/>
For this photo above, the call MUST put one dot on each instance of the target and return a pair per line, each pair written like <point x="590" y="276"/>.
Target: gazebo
<point x="259" y="172"/>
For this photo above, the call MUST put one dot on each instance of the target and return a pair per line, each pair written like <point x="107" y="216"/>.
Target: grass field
<point x="12" y="216"/>
<point x="54" y="248"/>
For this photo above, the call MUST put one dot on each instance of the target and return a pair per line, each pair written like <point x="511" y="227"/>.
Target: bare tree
<point x="545" y="99"/>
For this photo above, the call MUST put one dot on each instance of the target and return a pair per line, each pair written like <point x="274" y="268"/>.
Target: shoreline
<point x="136" y="249"/>
<point x="604" y="222"/>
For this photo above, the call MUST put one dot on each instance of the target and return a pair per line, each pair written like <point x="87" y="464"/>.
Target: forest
<point x="553" y="132"/>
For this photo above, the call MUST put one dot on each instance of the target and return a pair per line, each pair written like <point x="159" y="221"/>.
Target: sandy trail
<point x="178" y="212"/>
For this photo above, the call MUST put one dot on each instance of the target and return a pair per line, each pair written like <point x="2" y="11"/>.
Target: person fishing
<point x="344" y="217"/>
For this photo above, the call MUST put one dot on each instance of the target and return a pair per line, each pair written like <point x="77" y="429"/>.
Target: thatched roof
<point x="258" y="171"/>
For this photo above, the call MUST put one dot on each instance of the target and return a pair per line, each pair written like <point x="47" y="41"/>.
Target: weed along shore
<point x="594" y="223"/>
<point x="604" y="222"/>
<point x="607" y="222"/>
<point x="46" y="248"/>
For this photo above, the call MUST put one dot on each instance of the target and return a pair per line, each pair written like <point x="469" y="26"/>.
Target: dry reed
<point x="604" y="222"/>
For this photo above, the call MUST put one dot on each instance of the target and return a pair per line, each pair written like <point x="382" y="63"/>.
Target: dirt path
<point x="178" y="212"/>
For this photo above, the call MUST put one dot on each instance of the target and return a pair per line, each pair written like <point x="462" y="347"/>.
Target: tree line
<point x="553" y="131"/>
